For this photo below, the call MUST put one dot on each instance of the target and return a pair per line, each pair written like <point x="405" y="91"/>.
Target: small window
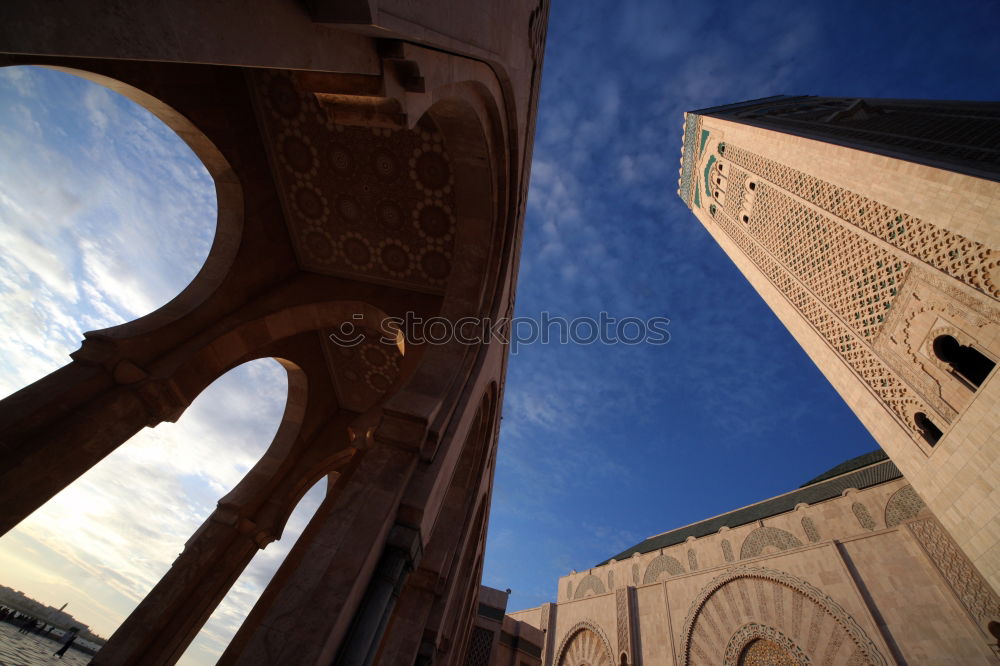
<point x="746" y="218"/>
<point x="927" y="428"/>
<point x="966" y="361"/>
<point x="753" y="185"/>
<point x="717" y="194"/>
<point x="718" y="181"/>
<point x="719" y="166"/>
<point x="722" y="148"/>
<point x="712" y="209"/>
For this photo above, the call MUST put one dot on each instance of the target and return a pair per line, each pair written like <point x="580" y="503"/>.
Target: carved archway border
<point x="577" y="628"/>
<point x="864" y="644"/>
<point x="753" y="631"/>
<point x="928" y="347"/>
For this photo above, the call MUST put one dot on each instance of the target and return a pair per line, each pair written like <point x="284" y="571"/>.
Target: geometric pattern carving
<point x="692" y="560"/>
<point x="864" y="518"/>
<point x="810" y="529"/>
<point x="971" y="262"/>
<point x="759" y="645"/>
<point x="661" y="564"/>
<point x="721" y="624"/>
<point x="621" y="608"/>
<point x="591" y="584"/>
<point x="692" y="128"/>
<point x="727" y="550"/>
<point x="374" y="204"/>
<point x="480" y="645"/>
<point x="635" y="574"/>
<point x="585" y="643"/>
<point x="971" y="589"/>
<point x="852" y="275"/>
<point x="611" y="580"/>
<point x="763" y="537"/>
<point x="851" y="347"/>
<point x="361" y="374"/>
<point x="903" y="505"/>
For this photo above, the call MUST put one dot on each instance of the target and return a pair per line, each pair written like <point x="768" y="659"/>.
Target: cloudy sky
<point x="105" y="214"/>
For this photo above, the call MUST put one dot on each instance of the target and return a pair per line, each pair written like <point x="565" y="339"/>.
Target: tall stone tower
<point x="872" y="229"/>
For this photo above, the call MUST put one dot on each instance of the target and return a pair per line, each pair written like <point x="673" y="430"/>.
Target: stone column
<point x="164" y="624"/>
<point x="62" y="425"/>
<point x="309" y="614"/>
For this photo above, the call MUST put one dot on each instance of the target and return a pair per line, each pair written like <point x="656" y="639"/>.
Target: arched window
<point x="927" y="428"/>
<point x="746" y="218"/>
<point x="966" y="361"/>
<point x="753" y="185"/>
<point x="712" y="209"/>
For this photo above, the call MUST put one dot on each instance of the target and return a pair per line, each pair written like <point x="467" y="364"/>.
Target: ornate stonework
<point x="585" y="643"/>
<point x="692" y="560"/>
<point x="760" y="645"/>
<point x="727" y="550"/>
<point x="903" y="505"/>
<point x="590" y="585"/>
<point x="810" y="529"/>
<point x="623" y="622"/>
<point x="884" y="384"/>
<point x="970" y="588"/>
<point x="951" y="253"/>
<point x="660" y="565"/>
<point x="762" y="538"/>
<point x="864" y="518"/>
<point x="385" y="208"/>
<point x="817" y="621"/>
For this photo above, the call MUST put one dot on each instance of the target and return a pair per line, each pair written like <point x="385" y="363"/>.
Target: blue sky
<point x="105" y="214"/>
<point x="602" y="446"/>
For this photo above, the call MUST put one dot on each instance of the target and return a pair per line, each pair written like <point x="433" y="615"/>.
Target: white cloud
<point x="104" y="217"/>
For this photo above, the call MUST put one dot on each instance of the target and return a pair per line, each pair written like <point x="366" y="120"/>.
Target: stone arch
<point x="229" y="200"/>
<point x="744" y="640"/>
<point x="584" y="643"/>
<point x="658" y="566"/>
<point x="590" y="585"/>
<point x="762" y="537"/>
<point x="246" y="339"/>
<point x="746" y="603"/>
<point x="903" y="505"/>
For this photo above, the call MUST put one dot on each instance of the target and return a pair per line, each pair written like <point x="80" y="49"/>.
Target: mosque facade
<point x="852" y="568"/>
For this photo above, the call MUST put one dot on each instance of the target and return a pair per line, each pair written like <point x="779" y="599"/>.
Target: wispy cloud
<point x="106" y="215"/>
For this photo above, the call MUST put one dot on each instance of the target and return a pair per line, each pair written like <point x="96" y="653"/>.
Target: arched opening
<point x="222" y="625"/>
<point x="746" y="218"/>
<point x="107" y="213"/>
<point x="966" y="361"/>
<point x="753" y="185"/>
<point x="106" y="540"/>
<point x="930" y="432"/>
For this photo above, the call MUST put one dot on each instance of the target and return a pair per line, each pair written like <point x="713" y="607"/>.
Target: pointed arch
<point x="584" y="643"/>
